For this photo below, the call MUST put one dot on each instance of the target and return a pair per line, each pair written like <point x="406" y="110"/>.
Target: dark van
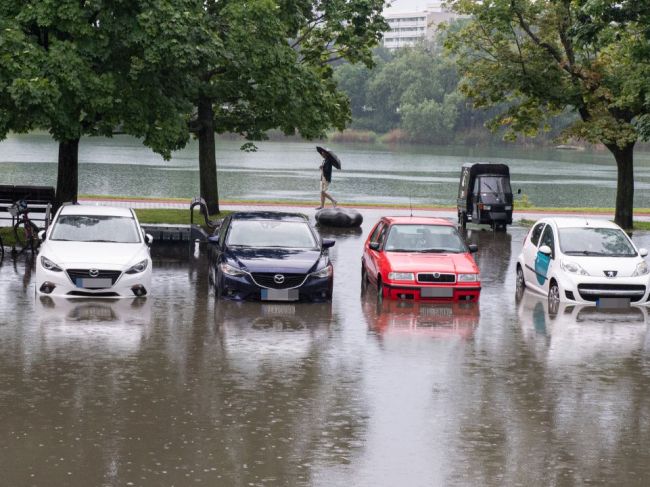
<point x="484" y="195"/>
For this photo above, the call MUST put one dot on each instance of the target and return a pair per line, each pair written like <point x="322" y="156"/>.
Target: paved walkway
<point x="369" y="211"/>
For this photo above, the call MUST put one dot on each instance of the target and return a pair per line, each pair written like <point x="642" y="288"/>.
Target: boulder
<point x="339" y="217"/>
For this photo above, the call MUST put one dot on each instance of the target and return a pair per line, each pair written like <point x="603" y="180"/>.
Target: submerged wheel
<point x="364" y="278"/>
<point x="520" y="285"/>
<point x="553" y="298"/>
<point x="462" y="219"/>
<point x="380" y="290"/>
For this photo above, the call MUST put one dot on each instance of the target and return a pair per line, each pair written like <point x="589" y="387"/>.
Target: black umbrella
<point x="330" y="156"/>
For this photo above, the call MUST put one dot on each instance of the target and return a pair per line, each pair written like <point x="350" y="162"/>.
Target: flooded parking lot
<point x="176" y="389"/>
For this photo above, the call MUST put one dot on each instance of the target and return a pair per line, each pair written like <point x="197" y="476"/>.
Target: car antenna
<point x="410" y="206"/>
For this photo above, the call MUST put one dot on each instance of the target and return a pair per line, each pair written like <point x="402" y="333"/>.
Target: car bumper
<point x="242" y="288"/>
<point x="590" y="289"/>
<point x="433" y="293"/>
<point x="59" y="284"/>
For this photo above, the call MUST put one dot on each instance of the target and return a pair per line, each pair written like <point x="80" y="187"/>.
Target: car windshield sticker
<point x="541" y="266"/>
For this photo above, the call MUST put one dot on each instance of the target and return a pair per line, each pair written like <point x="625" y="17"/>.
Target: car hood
<point x="275" y="260"/>
<point x="423" y="262"/>
<point x="596" y="266"/>
<point x="73" y="255"/>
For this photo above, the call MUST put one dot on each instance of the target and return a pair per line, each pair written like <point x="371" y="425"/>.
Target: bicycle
<point x="28" y="235"/>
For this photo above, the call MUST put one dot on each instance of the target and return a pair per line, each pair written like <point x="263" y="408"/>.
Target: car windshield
<point x="92" y="228"/>
<point x="610" y="242"/>
<point x="494" y="185"/>
<point x="424" y="238"/>
<point x="271" y="233"/>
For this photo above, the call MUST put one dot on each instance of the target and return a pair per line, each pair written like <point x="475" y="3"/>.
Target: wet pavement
<point x="179" y="390"/>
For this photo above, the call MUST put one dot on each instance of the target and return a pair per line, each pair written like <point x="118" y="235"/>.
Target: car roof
<point x="575" y="222"/>
<point x="96" y="210"/>
<point x="269" y="215"/>
<point x="418" y="220"/>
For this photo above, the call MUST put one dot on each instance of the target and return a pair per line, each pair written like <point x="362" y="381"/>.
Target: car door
<point x="372" y="256"/>
<point x="543" y="262"/>
<point x="217" y="249"/>
<point x="530" y="253"/>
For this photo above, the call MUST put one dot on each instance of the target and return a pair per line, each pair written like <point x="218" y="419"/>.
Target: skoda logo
<point x="278" y="278"/>
<point x="93" y="272"/>
<point x="436" y="275"/>
<point x="610" y="273"/>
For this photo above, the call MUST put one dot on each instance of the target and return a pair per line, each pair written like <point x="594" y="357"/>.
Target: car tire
<point x="380" y="290"/>
<point x="520" y="285"/>
<point x="462" y="219"/>
<point x="553" y="298"/>
<point x="364" y="278"/>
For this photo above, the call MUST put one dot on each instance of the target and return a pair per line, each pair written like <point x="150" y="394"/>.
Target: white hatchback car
<point x="96" y="251"/>
<point x="584" y="261"/>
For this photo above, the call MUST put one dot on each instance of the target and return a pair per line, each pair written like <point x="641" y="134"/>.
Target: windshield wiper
<point x="584" y="252"/>
<point x="434" y="251"/>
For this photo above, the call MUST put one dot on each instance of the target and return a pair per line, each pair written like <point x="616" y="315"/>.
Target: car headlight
<point x="487" y="207"/>
<point x="49" y="265"/>
<point x="326" y="271"/>
<point x="230" y="270"/>
<point x="467" y="277"/>
<point x="641" y="269"/>
<point x="508" y="208"/>
<point x="401" y="276"/>
<point x="573" y="268"/>
<point x="138" y="268"/>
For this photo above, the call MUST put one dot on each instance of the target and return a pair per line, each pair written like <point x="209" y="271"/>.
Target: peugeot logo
<point x="93" y="272"/>
<point x="610" y="273"/>
<point x="278" y="278"/>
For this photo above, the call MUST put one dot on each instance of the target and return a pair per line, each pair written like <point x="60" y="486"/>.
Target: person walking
<point x="325" y="180"/>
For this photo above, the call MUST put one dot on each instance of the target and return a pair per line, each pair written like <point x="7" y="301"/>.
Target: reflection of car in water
<point x="573" y="333"/>
<point x="116" y="325"/>
<point x="256" y="331"/>
<point x="421" y="318"/>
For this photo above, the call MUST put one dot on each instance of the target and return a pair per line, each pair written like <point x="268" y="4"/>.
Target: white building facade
<point x="409" y="28"/>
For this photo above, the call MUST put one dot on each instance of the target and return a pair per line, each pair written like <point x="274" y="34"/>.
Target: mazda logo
<point x="278" y="278"/>
<point x="93" y="272"/>
<point x="610" y="273"/>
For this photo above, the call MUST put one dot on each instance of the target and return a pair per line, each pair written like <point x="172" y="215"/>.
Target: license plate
<point x="279" y="294"/>
<point x="278" y="309"/>
<point x="94" y="283"/>
<point x="436" y="292"/>
<point x="613" y="303"/>
<point x="436" y="311"/>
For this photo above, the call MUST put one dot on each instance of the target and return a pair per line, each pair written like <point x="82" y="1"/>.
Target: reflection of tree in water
<point x="493" y="256"/>
<point x="598" y="240"/>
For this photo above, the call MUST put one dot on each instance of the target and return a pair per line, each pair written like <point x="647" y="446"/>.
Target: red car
<point x="420" y="258"/>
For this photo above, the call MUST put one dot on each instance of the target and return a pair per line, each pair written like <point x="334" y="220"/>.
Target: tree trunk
<point x="67" y="181"/>
<point x="207" y="158"/>
<point x="625" y="185"/>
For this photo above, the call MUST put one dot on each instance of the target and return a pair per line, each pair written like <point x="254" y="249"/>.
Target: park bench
<point x="39" y="201"/>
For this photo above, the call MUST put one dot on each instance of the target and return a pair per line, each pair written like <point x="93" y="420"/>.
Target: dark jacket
<point x="327" y="171"/>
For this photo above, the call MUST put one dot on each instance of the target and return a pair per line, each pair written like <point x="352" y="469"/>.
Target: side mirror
<point x="148" y="238"/>
<point x="213" y="239"/>
<point x="328" y="243"/>
<point x="41" y="236"/>
<point x="374" y="245"/>
<point x="643" y="252"/>
<point x="519" y="191"/>
<point x="473" y="248"/>
<point x="545" y="249"/>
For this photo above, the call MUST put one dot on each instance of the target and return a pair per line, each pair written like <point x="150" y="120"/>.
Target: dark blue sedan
<point x="270" y="256"/>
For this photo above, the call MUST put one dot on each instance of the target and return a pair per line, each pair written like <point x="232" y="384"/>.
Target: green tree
<point x="72" y="68"/>
<point x="539" y="58"/>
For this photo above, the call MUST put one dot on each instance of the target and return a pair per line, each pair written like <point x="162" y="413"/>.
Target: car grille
<point x="592" y="292"/>
<point x="268" y="280"/>
<point x="431" y="277"/>
<point x="75" y="274"/>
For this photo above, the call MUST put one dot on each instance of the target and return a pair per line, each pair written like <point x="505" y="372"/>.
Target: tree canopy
<point x="539" y="58"/>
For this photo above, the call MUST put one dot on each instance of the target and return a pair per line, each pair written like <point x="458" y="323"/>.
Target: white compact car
<point x="96" y="251"/>
<point x="584" y="261"/>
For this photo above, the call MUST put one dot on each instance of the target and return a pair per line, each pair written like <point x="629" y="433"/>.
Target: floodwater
<point x="289" y="171"/>
<point x="179" y="390"/>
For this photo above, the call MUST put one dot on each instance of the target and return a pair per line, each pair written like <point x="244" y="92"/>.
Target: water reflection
<point x="437" y="320"/>
<point x="576" y="333"/>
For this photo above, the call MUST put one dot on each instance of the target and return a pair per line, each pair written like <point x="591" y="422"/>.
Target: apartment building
<point x="408" y="28"/>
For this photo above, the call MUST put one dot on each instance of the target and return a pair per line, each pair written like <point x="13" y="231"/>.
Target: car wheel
<point x="462" y="219"/>
<point x="364" y="278"/>
<point x="521" y="282"/>
<point x="553" y="298"/>
<point x="380" y="290"/>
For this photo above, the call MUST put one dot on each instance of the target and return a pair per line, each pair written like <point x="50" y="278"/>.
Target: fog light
<point x="139" y="290"/>
<point x="47" y="287"/>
